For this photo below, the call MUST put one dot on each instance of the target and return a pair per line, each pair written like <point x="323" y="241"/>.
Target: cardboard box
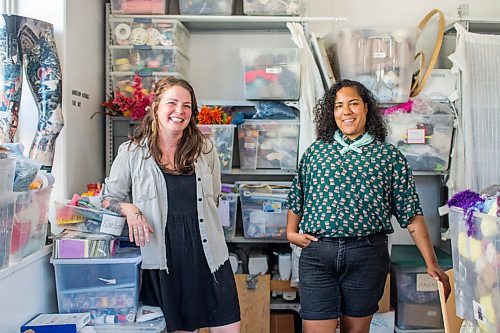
<point x="282" y="323"/>
<point x="384" y="305"/>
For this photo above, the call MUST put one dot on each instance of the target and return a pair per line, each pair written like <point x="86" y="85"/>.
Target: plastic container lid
<point x="123" y="256"/>
<point x="156" y="325"/>
<point x="409" y="256"/>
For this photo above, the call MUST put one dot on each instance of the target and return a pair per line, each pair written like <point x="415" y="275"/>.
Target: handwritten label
<point x="112" y="224"/>
<point x="223" y="211"/>
<point x="273" y="70"/>
<point x="479" y="313"/>
<point x="426" y="283"/>
<point x="416" y="136"/>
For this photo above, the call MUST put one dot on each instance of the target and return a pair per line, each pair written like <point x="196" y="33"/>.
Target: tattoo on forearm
<point x="411" y="230"/>
<point x="115" y="206"/>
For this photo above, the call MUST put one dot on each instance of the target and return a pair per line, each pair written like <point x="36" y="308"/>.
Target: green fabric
<point x="354" y="194"/>
<point x="409" y="256"/>
<point x="364" y="140"/>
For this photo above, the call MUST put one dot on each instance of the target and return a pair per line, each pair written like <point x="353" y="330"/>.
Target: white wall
<point x="398" y="12"/>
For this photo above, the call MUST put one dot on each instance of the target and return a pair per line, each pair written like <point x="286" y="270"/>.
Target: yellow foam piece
<point x="468" y="247"/>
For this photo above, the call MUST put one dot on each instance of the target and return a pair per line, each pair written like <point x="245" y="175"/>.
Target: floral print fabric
<point x="354" y="194"/>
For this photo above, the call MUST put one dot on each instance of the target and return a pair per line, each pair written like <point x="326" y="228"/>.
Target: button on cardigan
<point x="138" y="180"/>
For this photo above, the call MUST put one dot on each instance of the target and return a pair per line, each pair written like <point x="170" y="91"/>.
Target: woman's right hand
<point x="138" y="227"/>
<point x="301" y="240"/>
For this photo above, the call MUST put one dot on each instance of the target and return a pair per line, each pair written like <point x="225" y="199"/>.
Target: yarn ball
<point x="391" y="79"/>
<point x="384" y="94"/>
<point x="367" y="80"/>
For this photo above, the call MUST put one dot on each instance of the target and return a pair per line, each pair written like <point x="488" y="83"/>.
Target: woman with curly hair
<point x="166" y="181"/>
<point x="348" y="186"/>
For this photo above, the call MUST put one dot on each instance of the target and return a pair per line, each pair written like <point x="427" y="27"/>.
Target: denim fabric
<point x="343" y="276"/>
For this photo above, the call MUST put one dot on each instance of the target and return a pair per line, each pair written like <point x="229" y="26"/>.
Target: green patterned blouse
<point x="354" y="194"/>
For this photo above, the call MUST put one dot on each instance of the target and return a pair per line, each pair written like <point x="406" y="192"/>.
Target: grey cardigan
<point x="140" y="181"/>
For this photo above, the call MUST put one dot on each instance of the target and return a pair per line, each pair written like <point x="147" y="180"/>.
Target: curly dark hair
<point x="325" y="120"/>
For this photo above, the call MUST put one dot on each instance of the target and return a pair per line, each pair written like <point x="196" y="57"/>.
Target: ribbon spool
<point x="122" y="31"/>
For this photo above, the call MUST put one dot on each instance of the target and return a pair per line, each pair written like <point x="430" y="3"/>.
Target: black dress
<point x="190" y="296"/>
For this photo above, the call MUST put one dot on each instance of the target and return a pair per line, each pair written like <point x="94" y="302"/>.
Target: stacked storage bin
<point x="223" y="137"/>
<point x="268" y="144"/>
<point x="271" y="73"/>
<point x="380" y="58"/>
<point x="272" y="7"/>
<point x="107" y="288"/>
<point x="414" y="294"/>
<point x="139" y="6"/>
<point x="476" y="261"/>
<point x="152" y="48"/>
<point x="30" y="223"/>
<point x="262" y="208"/>
<point x="23" y="212"/>
<point x="206" y="7"/>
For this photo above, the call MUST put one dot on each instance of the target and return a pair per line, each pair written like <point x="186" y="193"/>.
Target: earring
<point x="154" y="125"/>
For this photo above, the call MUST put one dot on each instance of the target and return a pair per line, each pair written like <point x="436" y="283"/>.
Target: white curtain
<point x="311" y="87"/>
<point x="475" y="160"/>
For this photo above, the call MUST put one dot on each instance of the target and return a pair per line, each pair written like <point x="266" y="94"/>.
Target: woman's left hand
<point x="437" y="273"/>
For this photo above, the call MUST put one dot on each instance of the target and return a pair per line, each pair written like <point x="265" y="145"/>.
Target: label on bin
<point x="271" y="207"/>
<point x="426" y="283"/>
<point x="379" y="55"/>
<point x="416" y="135"/>
<point x="112" y="225"/>
<point x="273" y="70"/>
<point x="478" y="312"/>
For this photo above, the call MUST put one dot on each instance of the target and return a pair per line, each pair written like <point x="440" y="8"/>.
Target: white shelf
<point x="236" y="22"/>
<point x="430" y="173"/>
<point x="240" y="239"/>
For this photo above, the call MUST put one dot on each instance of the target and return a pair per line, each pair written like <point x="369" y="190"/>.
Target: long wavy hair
<point x="325" y="120"/>
<point x="192" y="141"/>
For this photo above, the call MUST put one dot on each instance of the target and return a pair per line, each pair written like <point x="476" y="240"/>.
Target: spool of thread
<point x="122" y="31"/>
<point x="121" y="318"/>
<point x="111" y="319"/>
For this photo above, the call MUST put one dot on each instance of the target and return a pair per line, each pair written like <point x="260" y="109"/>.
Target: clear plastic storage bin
<point x="380" y="58"/>
<point x="103" y="287"/>
<point x="206" y="7"/>
<point x="414" y="294"/>
<point x="271" y="73"/>
<point x="147" y="60"/>
<point x="123" y="81"/>
<point x="149" y="32"/>
<point x="8" y="171"/>
<point x="425" y="140"/>
<point x="88" y="219"/>
<point x="7" y="207"/>
<point x="476" y="262"/>
<point x="268" y="144"/>
<point x="263" y="210"/>
<point x="272" y="7"/>
<point x="139" y="6"/>
<point x="223" y="138"/>
<point x="228" y="210"/>
<point x="29" y="231"/>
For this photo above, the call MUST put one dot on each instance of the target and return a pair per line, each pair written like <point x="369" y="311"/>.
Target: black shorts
<point x="343" y="276"/>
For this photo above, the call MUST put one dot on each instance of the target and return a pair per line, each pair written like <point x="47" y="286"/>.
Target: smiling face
<point x="174" y="110"/>
<point x="350" y="112"/>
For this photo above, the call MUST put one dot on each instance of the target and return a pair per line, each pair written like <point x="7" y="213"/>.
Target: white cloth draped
<point x="475" y="160"/>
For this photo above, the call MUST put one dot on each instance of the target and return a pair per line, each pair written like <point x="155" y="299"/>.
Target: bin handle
<point x="108" y="281"/>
